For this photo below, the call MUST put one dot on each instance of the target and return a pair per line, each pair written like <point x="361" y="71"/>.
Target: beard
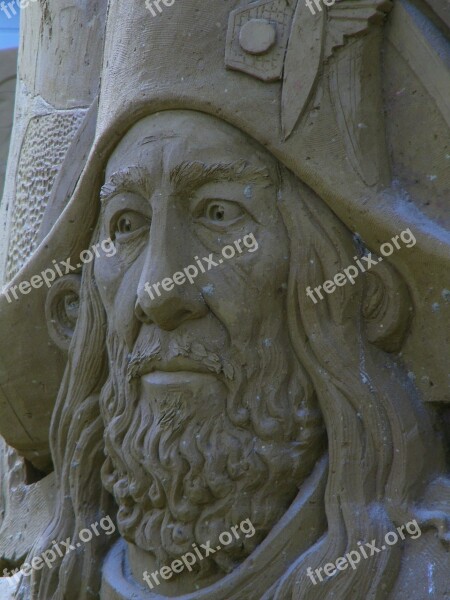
<point x="190" y="462"/>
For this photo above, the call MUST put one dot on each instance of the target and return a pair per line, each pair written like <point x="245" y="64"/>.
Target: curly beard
<point x="190" y="462"/>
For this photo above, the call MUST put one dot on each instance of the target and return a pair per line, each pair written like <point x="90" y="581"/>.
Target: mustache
<point x="150" y="355"/>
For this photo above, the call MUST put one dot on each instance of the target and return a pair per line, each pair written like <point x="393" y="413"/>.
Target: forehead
<point x="184" y="135"/>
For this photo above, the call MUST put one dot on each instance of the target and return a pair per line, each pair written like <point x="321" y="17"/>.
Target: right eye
<point x="128" y="223"/>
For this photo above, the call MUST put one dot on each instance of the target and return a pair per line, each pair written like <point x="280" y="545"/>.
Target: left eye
<point x="221" y="211"/>
<point x="129" y="222"/>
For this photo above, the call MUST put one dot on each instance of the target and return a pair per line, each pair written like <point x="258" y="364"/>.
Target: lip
<point x="181" y="395"/>
<point x="162" y="379"/>
<point x="174" y="365"/>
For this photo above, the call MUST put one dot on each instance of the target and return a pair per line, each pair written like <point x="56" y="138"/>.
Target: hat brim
<point x="31" y="364"/>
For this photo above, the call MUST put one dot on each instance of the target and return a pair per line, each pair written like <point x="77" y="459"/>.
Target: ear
<point x="387" y="308"/>
<point x="61" y="309"/>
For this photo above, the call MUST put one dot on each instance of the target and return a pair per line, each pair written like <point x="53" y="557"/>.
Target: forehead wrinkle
<point x="190" y="174"/>
<point x="158" y="137"/>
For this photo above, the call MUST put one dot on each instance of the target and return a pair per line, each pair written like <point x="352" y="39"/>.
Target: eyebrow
<point x="188" y="175"/>
<point x="191" y="174"/>
<point x="129" y="179"/>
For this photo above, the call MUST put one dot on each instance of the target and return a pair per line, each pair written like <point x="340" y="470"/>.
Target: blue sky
<point x="9" y="29"/>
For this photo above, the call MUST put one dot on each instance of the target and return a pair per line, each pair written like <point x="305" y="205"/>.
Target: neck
<point x="173" y="579"/>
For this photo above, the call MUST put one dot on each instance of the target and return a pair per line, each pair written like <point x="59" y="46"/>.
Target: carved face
<point x="209" y="416"/>
<point x="184" y="185"/>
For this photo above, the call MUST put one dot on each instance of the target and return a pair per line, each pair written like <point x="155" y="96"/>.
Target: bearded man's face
<point x="209" y="417"/>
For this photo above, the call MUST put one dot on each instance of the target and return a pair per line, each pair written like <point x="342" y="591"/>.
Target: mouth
<point x="176" y="380"/>
<point x="173" y="365"/>
<point x="179" y="395"/>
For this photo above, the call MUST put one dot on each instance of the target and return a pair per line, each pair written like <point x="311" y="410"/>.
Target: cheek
<point x="246" y="291"/>
<point x="108" y="276"/>
<point x="117" y="287"/>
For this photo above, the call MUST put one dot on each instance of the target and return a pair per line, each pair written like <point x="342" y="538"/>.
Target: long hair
<point x="76" y="441"/>
<point x="383" y="451"/>
<point x="379" y="434"/>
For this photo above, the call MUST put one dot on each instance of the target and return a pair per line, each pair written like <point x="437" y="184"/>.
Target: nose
<point x="174" y="304"/>
<point x="170" y="310"/>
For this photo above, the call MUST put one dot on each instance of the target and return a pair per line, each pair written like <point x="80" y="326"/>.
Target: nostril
<point x="140" y="313"/>
<point x="181" y="315"/>
<point x="171" y="319"/>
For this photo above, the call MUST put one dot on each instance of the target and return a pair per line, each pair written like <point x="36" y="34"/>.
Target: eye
<point x="222" y="211"/>
<point x="127" y="223"/>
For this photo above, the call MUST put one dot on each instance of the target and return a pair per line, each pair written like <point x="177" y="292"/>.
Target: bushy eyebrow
<point x="188" y="175"/>
<point x="129" y="179"/>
